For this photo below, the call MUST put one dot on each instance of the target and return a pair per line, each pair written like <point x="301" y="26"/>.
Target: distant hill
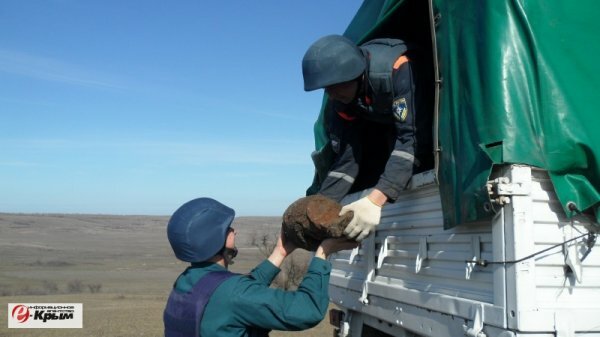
<point x="255" y="227"/>
<point x="91" y="228"/>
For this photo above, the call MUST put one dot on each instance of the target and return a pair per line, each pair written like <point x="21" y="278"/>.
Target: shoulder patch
<point x="400" y="109"/>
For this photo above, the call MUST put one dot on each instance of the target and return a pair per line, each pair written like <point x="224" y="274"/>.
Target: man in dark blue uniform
<point x="379" y="131"/>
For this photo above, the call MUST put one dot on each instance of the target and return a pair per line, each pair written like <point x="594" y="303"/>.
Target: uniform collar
<point x="207" y="265"/>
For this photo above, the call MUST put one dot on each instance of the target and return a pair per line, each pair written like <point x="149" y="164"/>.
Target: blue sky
<point x="135" y="107"/>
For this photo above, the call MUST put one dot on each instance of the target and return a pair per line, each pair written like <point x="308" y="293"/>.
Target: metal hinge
<point x="475" y="256"/>
<point x="353" y="254"/>
<point x="500" y="190"/>
<point x="476" y="329"/>
<point x="422" y="254"/>
<point x="383" y="252"/>
<point x="369" y="250"/>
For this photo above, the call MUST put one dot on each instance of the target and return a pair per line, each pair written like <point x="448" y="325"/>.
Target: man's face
<point x="344" y="92"/>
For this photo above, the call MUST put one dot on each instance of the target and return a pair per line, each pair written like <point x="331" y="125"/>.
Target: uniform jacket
<point x="375" y="146"/>
<point x="245" y="305"/>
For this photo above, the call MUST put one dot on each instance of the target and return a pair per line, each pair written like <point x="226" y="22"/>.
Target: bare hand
<point x="285" y="246"/>
<point x="333" y="245"/>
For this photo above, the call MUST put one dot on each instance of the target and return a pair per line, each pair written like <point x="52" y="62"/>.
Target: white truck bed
<point x="411" y="278"/>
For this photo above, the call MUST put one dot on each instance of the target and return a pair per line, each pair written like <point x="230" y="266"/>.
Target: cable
<point x="590" y="242"/>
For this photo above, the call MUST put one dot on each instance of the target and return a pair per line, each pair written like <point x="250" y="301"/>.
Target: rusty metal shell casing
<point x="310" y="220"/>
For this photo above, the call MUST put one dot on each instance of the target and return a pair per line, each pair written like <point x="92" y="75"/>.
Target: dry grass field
<point x="120" y="267"/>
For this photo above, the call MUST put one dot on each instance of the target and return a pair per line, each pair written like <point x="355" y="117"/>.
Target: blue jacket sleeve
<point x="265" y="272"/>
<point x="400" y="165"/>
<point x="255" y="304"/>
<point x="347" y="148"/>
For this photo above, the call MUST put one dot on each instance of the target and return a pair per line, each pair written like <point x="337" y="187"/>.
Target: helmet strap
<point x="229" y="254"/>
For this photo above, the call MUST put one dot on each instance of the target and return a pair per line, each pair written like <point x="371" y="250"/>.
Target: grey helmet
<point x="332" y="59"/>
<point x="198" y="229"/>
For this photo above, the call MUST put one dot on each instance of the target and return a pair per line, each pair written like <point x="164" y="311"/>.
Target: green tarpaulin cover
<point x="520" y="82"/>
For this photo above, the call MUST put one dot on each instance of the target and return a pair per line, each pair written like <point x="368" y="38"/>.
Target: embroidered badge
<point x="400" y="109"/>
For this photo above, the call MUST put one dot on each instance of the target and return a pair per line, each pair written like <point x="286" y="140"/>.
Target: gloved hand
<point x="366" y="216"/>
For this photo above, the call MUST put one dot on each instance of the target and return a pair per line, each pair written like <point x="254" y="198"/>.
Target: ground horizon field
<point x="120" y="267"/>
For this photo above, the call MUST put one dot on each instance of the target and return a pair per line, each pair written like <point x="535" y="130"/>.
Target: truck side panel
<point x="413" y="276"/>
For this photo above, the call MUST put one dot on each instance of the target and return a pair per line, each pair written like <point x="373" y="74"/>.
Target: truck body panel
<point x="416" y="277"/>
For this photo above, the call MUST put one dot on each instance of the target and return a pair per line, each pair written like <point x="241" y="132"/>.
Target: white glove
<point x="366" y="217"/>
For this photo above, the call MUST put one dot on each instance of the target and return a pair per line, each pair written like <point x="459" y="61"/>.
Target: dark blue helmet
<point x="332" y="59"/>
<point x="198" y="229"/>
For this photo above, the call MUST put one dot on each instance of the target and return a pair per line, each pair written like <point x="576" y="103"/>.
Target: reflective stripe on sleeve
<point x="400" y="61"/>
<point x="342" y="176"/>
<point x="406" y="155"/>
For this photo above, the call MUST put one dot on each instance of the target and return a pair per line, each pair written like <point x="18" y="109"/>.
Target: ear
<point x="230" y="239"/>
